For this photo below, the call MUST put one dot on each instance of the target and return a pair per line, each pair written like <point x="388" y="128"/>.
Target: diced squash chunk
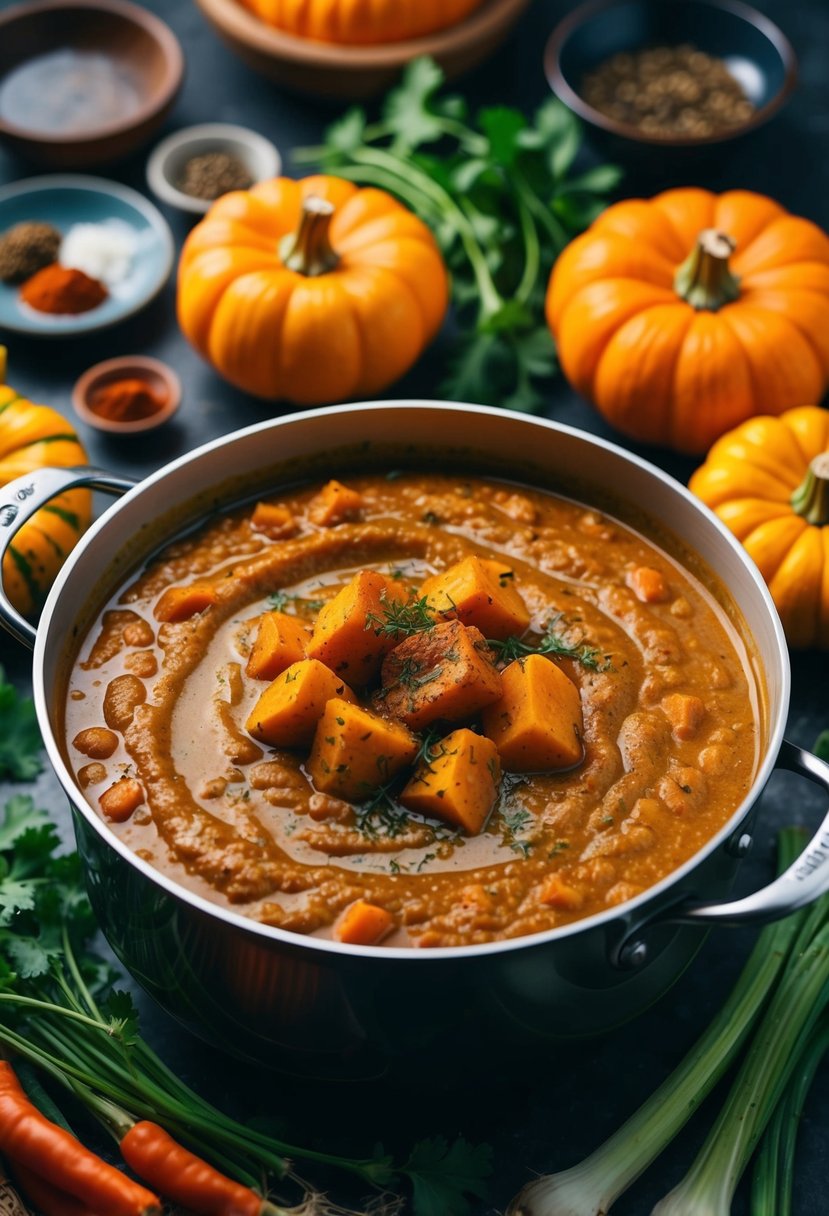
<point x="648" y="585"/>
<point x="344" y="637"/>
<point x="287" y="713"/>
<point x="685" y="714"/>
<point x="180" y="603"/>
<point x="355" y="751"/>
<point x="363" y="924"/>
<point x="457" y="782"/>
<point x="537" y="724"/>
<point x="479" y="592"/>
<point x="275" y="520"/>
<point x="445" y="673"/>
<point x="556" y="893"/>
<point x="334" y="504"/>
<point x="280" y="642"/>
<point x="121" y="799"/>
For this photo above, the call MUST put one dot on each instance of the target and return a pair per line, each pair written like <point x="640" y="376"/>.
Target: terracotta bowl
<point x="158" y="376"/>
<point x="330" y="70"/>
<point x="140" y="46"/>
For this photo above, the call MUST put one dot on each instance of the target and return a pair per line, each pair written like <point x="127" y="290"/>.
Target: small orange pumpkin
<point x="768" y="481"/>
<point x="311" y="291"/>
<point x="361" y="22"/>
<point x="681" y="316"/>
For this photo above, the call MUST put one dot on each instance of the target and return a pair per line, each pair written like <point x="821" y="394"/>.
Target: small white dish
<point x="165" y="167"/>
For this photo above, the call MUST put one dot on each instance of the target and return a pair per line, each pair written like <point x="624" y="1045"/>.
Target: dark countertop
<point x="536" y="1121"/>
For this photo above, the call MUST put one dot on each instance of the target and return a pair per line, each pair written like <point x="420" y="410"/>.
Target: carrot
<point x="48" y="1200"/>
<point x="27" y="1138"/>
<point x="648" y="585"/>
<point x="182" y="1176"/>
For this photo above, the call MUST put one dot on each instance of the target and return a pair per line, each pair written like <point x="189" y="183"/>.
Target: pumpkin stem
<point x="309" y="250"/>
<point x="704" y="280"/>
<point x="811" y="498"/>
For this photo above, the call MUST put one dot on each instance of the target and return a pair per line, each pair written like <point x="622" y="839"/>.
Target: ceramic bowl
<point x="158" y="375"/>
<point x="755" y="51"/>
<point x="166" y="164"/>
<point x="327" y="69"/>
<point x="137" y="49"/>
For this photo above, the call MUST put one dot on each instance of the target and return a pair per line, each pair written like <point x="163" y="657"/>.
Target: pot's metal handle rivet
<point x="633" y="955"/>
<point x="739" y="845"/>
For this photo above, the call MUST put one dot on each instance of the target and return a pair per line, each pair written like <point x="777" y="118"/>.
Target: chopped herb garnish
<point x="429" y="517"/>
<point x="553" y="641"/>
<point x="401" y="620"/>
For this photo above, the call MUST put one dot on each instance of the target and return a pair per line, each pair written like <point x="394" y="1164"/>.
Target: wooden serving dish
<point x="331" y="70"/>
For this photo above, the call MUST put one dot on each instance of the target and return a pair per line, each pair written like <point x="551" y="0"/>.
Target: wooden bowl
<point x="141" y="50"/>
<point x="328" y="69"/>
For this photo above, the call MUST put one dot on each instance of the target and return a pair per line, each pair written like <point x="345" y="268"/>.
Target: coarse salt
<point x="103" y="251"/>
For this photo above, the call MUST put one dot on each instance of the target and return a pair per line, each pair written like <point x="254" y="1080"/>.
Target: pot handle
<point x="20" y="499"/>
<point x="804" y="881"/>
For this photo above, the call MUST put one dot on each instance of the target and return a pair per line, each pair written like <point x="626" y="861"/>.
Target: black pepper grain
<point x="27" y="248"/>
<point x="213" y="174"/>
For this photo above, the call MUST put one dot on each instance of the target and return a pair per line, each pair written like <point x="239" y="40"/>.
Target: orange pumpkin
<point x="681" y="316"/>
<point x="361" y="21"/>
<point x="768" y="481"/>
<point x="311" y="291"/>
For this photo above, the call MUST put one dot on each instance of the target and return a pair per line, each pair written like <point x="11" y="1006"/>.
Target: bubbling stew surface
<point x="369" y="769"/>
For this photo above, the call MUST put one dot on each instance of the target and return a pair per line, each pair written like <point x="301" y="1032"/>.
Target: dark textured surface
<point x="536" y="1121"/>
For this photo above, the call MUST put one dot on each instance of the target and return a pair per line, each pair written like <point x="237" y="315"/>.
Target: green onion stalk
<point x="592" y="1187"/>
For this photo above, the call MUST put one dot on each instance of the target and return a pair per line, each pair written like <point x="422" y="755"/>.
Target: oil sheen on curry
<point x="414" y="710"/>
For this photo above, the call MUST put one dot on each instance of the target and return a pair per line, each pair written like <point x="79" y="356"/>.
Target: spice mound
<point x="130" y="399"/>
<point x="27" y="248"/>
<point x="213" y="174"/>
<point x="668" y="91"/>
<point x="60" y="289"/>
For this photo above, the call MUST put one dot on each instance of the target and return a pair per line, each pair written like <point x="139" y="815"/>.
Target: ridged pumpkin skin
<point x="664" y="372"/>
<point x="361" y="22"/>
<point x="312" y="339"/>
<point x="749" y="479"/>
<point x="32" y="436"/>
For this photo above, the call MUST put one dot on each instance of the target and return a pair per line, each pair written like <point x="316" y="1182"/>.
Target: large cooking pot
<point x="319" y="1006"/>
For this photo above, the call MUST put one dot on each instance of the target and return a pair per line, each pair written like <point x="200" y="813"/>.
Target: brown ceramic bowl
<point x="327" y="69"/>
<point x="140" y="48"/>
<point x="157" y="375"/>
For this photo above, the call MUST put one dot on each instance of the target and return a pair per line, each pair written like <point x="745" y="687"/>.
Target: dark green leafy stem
<point x="553" y="641"/>
<point x="20" y="745"/>
<point x="498" y="193"/>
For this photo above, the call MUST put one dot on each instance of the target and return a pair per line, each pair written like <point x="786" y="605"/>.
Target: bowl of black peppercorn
<point x="193" y="167"/>
<point x="669" y="76"/>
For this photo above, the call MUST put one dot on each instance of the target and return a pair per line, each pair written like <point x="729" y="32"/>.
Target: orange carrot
<point x="29" y="1139"/>
<point x="182" y="1176"/>
<point x="48" y="1200"/>
<point x="363" y="924"/>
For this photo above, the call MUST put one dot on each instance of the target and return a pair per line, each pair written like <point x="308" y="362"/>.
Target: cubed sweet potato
<point x="556" y="893"/>
<point x="287" y="713"/>
<point x="355" y="751"/>
<point x="685" y="714"/>
<point x="180" y="603"/>
<point x="457" y="782"/>
<point x="648" y="585"/>
<point x="274" y="519"/>
<point x="480" y="592"/>
<point x="445" y="673"/>
<point x="334" y="504"/>
<point x="346" y="637"/>
<point x="537" y="723"/>
<point x="280" y="642"/>
<point x="363" y="924"/>
<point x="121" y="799"/>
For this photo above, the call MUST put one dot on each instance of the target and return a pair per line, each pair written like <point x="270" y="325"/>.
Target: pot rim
<point x="325" y="946"/>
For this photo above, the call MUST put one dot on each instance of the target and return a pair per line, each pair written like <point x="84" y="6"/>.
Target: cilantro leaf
<point x="20" y="818"/>
<point x="28" y="956"/>
<point x="20" y="743"/>
<point x="443" y="1175"/>
<point x="123" y="1016"/>
<point x="822" y="745"/>
<point x="408" y="107"/>
<point x="15" y="896"/>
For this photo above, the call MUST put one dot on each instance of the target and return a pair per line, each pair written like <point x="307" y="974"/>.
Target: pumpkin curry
<point x="416" y="710"/>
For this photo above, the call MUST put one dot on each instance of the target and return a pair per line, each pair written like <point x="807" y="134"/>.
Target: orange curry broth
<point x="240" y="823"/>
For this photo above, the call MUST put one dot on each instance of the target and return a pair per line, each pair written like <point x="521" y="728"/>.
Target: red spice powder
<point x="127" y="400"/>
<point x="60" y="289"/>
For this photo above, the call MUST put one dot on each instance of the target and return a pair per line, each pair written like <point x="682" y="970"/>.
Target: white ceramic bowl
<point x="166" y="164"/>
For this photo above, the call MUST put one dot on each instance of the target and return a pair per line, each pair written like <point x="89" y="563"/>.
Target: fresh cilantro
<point x="501" y="196"/>
<point x="822" y="746"/>
<point x="445" y="1176"/>
<point x="553" y="641"/>
<point x="20" y="742"/>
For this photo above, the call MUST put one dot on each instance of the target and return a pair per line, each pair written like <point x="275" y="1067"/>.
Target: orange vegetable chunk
<point x="280" y="642"/>
<point x="180" y="603"/>
<point x="556" y="893"/>
<point x="287" y="713"/>
<point x="276" y="521"/>
<point x="363" y="924"/>
<point x="685" y="714"/>
<point x="479" y="592"/>
<point x="457" y="782"/>
<point x="537" y="724"/>
<point x="444" y="673"/>
<point x="355" y="751"/>
<point x="648" y="585"/>
<point x="344" y="638"/>
<point x="121" y="799"/>
<point x="334" y="504"/>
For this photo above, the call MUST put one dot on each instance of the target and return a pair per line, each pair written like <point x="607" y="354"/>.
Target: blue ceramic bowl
<point x="64" y="200"/>
<point x="755" y="51"/>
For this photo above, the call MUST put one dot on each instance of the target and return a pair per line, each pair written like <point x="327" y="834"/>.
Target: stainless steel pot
<point x="318" y="1006"/>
